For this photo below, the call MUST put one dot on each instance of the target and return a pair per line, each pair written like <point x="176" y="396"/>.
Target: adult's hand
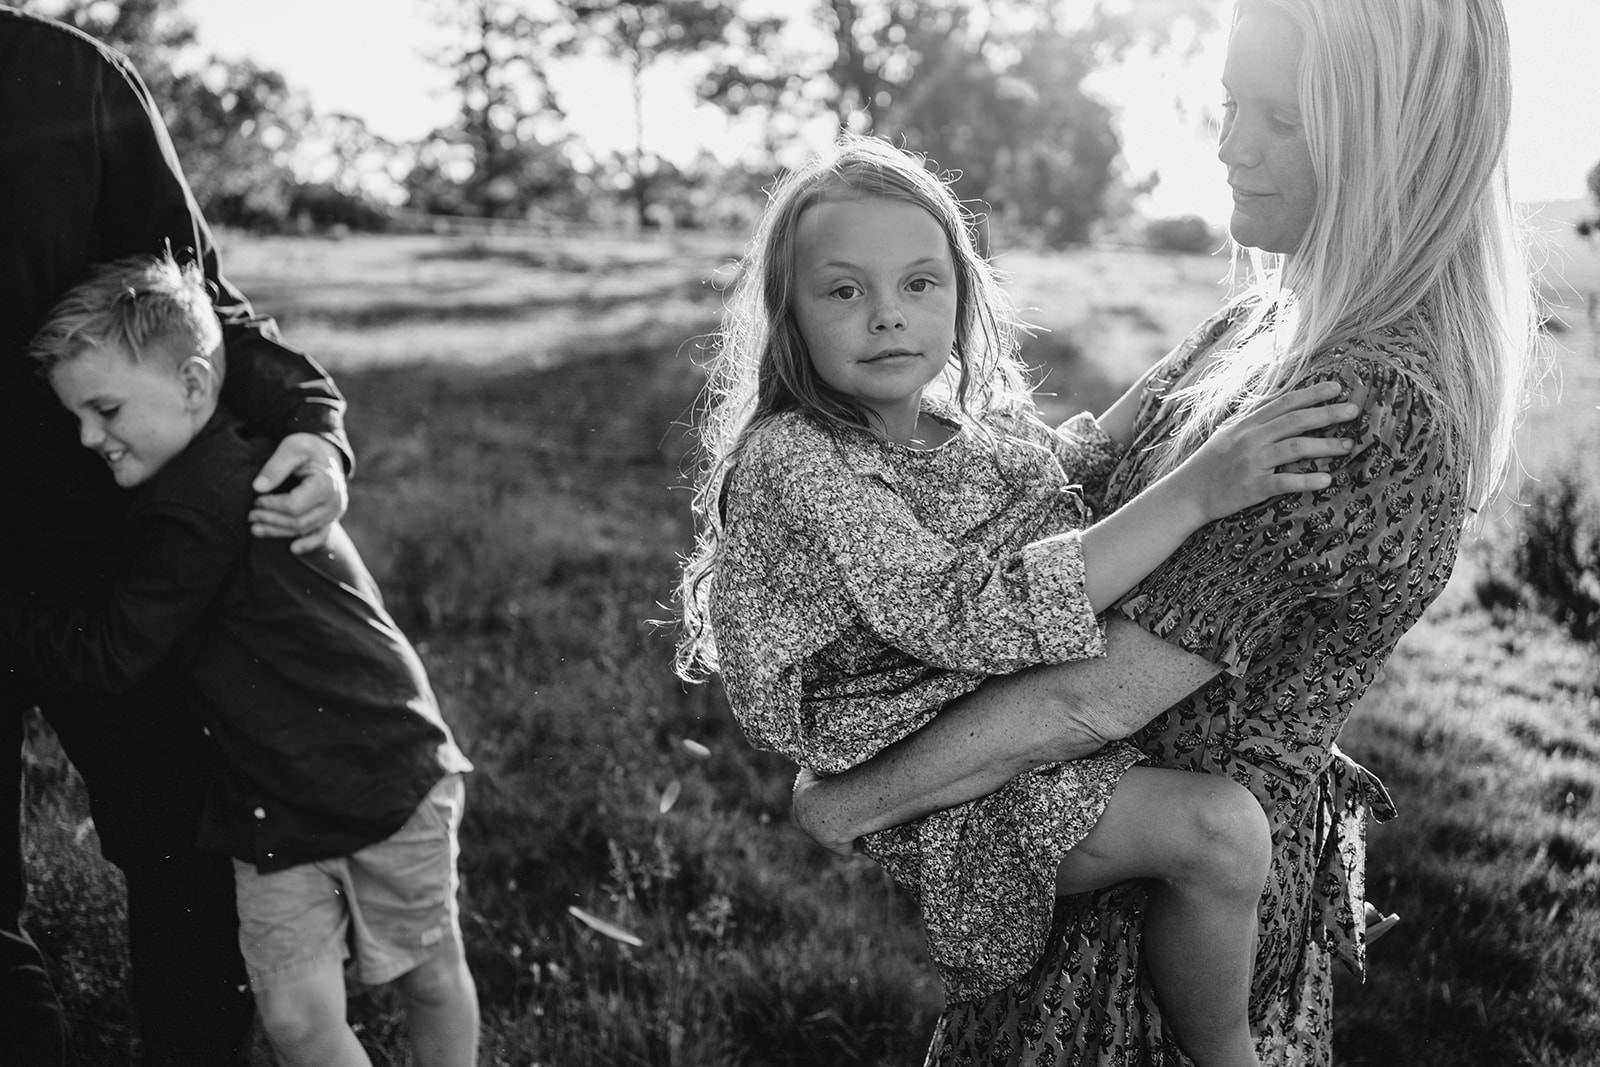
<point x="306" y="510"/>
<point x="1008" y="725"/>
<point x="810" y="816"/>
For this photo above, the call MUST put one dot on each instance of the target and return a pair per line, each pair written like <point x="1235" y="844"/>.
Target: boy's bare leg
<point x="304" y="1019"/>
<point x="1203" y="844"/>
<point x="441" y="1003"/>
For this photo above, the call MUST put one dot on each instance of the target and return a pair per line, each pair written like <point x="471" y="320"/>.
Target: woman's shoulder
<point x="1393" y="360"/>
<point x="1389" y="372"/>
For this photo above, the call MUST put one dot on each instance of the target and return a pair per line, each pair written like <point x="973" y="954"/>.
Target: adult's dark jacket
<point x="88" y="174"/>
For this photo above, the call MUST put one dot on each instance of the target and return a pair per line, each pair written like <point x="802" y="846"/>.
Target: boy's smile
<point x="875" y="302"/>
<point x="134" y="415"/>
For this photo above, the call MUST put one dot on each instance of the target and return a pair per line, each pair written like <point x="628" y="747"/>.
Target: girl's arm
<point x="1009" y="725"/>
<point x="1235" y="468"/>
<point x="1117" y="420"/>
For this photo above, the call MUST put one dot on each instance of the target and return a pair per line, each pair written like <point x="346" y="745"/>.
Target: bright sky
<point x="366" y="57"/>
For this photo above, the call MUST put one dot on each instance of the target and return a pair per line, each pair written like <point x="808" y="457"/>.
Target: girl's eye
<point x="844" y="292"/>
<point x="920" y="285"/>
<point x="108" y="412"/>
<point x="1282" y="125"/>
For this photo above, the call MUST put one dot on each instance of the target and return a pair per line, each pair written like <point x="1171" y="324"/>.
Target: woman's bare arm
<point x="1009" y="725"/>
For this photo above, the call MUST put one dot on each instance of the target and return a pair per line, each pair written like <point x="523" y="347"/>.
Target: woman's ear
<point x="199" y="380"/>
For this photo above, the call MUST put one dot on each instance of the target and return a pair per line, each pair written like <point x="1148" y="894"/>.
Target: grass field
<point x="517" y="407"/>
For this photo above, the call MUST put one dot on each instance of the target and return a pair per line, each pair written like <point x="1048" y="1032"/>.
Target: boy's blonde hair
<point x="761" y="366"/>
<point x="127" y="304"/>
<point x="1406" y="106"/>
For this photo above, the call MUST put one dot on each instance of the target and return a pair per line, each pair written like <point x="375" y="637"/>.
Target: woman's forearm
<point x="1008" y="725"/>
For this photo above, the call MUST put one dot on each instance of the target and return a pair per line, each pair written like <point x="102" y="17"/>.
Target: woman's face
<point x="1263" y="135"/>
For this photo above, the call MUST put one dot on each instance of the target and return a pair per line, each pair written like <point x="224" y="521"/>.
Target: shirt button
<point x="260" y="813"/>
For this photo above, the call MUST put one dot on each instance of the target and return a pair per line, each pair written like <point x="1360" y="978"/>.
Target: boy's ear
<point x="199" y="380"/>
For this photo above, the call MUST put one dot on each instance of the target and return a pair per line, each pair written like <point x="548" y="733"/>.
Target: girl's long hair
<point x="760" y="366"/>
<point x="1406" y="105"/>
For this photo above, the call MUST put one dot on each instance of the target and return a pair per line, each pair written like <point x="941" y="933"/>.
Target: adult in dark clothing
<point x="91" y="175"/>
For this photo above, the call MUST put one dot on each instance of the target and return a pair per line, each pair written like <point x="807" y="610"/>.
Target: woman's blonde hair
<point x="760" y="366"/>
<point x="1406" y="105"/>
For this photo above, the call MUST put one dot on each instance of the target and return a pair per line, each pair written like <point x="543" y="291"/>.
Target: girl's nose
<point x="90" y="434"/>
<point x="887" y="315"/>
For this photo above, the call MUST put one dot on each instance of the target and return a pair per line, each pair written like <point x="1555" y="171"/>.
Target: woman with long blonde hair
<point x="1365" y="142"/>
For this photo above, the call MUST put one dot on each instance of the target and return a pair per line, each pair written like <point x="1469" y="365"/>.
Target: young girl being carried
<point x="884" y="522"/>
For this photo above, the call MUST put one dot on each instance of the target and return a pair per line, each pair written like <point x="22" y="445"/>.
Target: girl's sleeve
<point x="1087" y="454"/>
<point x="953" y="607"/>
<point x="1391" y="514"/>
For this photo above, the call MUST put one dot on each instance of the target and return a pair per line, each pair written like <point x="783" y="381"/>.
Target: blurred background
<point x="506" y="225"/>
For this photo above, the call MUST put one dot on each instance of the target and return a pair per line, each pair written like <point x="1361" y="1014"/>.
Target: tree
<point x="993" y="90"/>
<point x="234" y="124"/>
<point x="506" y="149"/>
<point x="639" y="34"/>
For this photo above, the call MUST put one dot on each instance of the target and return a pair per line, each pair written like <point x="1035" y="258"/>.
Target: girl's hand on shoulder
<point x="1239" y="465"/>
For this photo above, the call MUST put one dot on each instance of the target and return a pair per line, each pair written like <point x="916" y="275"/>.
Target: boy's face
<point x="134" y="415"/>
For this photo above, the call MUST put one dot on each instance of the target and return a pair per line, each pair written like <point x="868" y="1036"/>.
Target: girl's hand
<point x="806" y="810"/>
<point x="1238" y="465"/>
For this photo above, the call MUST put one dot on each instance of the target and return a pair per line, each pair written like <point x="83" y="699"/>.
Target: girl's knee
<point x="1231" y="841"/>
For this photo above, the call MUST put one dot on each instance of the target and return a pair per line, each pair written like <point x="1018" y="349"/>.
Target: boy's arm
<point x="144" y="204"/>
<point x="173" y="575"/>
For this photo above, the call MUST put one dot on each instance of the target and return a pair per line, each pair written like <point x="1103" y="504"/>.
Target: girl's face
<point x="1263" y="136"/>
<point x="875" y="302"/>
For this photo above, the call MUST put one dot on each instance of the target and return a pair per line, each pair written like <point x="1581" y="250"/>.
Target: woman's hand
<point x="310" y="507"/>
<point x="812" y="815"/>
<point x="1239" y="464"/>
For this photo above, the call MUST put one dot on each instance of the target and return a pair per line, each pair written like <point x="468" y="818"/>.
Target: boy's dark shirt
<point x="91" y="176"/>
<point x="327" y="732"/>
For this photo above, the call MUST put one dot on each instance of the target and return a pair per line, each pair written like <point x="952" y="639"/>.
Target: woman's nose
<point x="1235" y="146"/>
<point x="90" y="434"/>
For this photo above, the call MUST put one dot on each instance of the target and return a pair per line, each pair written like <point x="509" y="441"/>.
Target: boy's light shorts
<point x="393" y="903"/>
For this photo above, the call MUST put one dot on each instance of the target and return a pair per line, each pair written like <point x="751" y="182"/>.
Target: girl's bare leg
<point x="1203" y="844"/>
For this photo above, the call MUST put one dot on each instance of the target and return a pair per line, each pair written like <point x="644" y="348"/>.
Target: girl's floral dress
<point x="861" y="585"/>
<point x="1302" y="599"/>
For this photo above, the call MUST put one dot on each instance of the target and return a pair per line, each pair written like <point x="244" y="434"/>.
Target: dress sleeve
<point x="145" y="204"/>
<point x="1087" y="454"/>
<point x="954" y="607"/>
<point x="1393" y="497"/>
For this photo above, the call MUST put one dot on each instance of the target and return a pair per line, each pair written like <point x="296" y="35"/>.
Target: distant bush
<point x="1182" y="233"/>
<point x="1553" y="559"/>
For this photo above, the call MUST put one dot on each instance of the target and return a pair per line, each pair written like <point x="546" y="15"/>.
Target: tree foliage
<point x="994" y="91"/>
<point x="506" y="149"/>
<point x="639" y="34"/>
<point x="235" y="125"/>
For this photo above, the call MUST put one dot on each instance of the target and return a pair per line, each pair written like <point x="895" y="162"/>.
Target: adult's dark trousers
<point x="33" y="1029"/>
<point x="146" y="766"/>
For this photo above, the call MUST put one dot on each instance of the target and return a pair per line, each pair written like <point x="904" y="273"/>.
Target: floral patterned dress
<point x="1302" y="599"/>
<point x="863" y="584"/>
